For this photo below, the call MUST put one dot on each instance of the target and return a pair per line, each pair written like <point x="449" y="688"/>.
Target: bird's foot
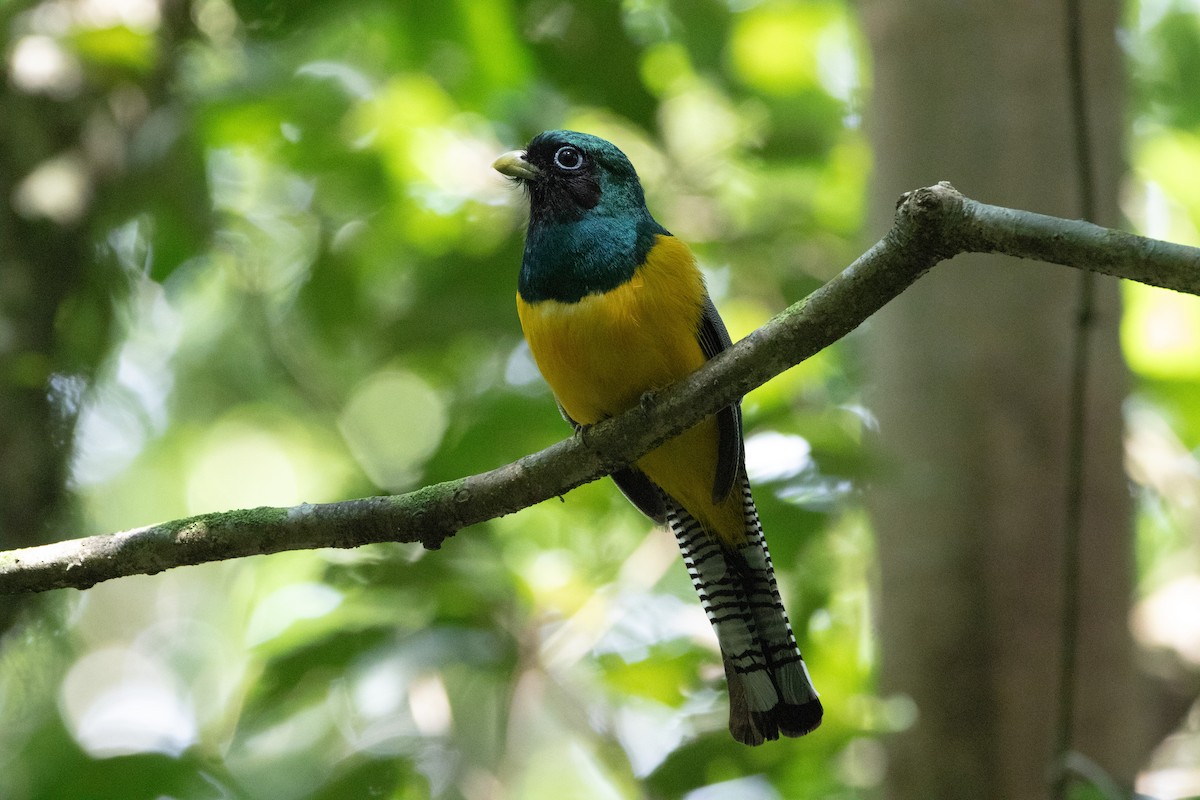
<point x="581" y="431"/>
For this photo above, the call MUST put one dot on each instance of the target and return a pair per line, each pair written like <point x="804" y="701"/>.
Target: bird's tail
<point x="770" y="692"/>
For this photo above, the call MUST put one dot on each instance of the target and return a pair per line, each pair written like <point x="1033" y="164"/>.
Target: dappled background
<point x="255" y="254"/>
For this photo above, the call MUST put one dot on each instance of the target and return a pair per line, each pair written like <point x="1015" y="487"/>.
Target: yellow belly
<point x="602" y="353"/>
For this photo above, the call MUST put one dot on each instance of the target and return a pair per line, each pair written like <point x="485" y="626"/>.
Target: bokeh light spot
<point x="117" y="702"/>
<point x="58" y="189"/>
<point x="276" y="612"/>
<point x="774" y="48"/>
<point x="774" y="456"/>
<point x="242" y="466"/>
<point x="1160" y="332"/>
<point x="39" y="64"/>
<point x="393" y="422"/>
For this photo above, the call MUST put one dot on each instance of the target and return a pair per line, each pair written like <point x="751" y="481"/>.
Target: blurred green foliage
<point x="311" y="268"/>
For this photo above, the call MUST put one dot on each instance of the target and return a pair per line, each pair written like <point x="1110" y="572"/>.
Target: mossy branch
<point x="932" y="225"/>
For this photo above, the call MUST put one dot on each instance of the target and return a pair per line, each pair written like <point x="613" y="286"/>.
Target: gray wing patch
<point x="713" y="338"/>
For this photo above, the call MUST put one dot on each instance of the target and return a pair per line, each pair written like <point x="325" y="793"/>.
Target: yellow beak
<point x="514" y="165"/>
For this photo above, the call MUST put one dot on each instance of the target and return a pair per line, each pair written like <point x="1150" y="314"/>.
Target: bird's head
<point x="571" y="175"/>
<point x="588" y="224"/>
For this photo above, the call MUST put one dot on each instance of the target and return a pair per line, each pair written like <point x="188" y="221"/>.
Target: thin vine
<point x="1077" y="410"/>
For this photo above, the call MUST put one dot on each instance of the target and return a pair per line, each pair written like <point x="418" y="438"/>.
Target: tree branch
<point x="932" y="224"/>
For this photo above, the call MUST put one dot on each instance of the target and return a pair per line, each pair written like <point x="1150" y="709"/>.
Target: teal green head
<point x="589" y="228"/>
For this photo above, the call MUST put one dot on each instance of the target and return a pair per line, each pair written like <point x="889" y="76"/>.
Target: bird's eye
<point x="568" y="157"/>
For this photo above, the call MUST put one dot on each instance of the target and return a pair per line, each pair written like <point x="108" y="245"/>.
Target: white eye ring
<point x="568" y="157"/>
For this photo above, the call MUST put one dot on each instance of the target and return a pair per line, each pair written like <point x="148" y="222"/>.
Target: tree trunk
<point x="970" y="372"/>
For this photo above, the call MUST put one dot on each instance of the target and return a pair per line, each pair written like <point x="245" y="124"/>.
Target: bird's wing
<point x="633" y="484"/>
<point x="713" y="338"/>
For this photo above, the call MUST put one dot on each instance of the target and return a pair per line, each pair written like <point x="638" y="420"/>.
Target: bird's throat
<point x="566" y="262"/>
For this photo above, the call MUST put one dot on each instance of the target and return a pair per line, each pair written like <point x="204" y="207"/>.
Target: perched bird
<point x="613" y="306"/>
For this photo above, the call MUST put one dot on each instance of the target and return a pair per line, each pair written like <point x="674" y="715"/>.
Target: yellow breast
<point x="602" y="353"/>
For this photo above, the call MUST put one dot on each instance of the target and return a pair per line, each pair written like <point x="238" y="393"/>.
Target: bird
<point x="614" y="307"/>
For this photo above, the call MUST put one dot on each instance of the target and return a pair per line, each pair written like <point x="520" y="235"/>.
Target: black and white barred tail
<point x="770" y="692"/>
